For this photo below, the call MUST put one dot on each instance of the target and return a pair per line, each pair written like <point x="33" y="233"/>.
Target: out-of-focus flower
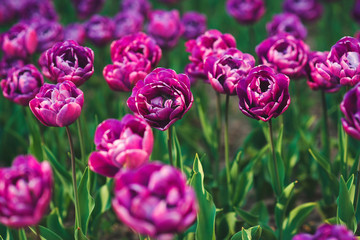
<point x="344" y="60"/>
<point x="25" y="192"/>
<point x="319" y="75"/>
<point x="226" y="72"/>
<point x="127" y="23"/>
<point x="165" y="27"/>
<point x="140" y="6"/>
<point x="212" y="42"/>
<point x="121" y="144"/>
<point x="307" y="10"/>
<point x="48" y="33"/>
<point x="7" y="64"/>
<point x="170" y="2"/>
<point x="76" y="32"/>
<point x="162" y="98"/>
<point x="351" y="109"/>
<point x="21" y="85"/>
<point x="57" y="105"/>
<point x="286" y="23"/>
<point x="135" y="47"/>
<point x="264" y="94"/>
<point x="245" y="11"/>
<point x="284" y="53"/>
<point x="154" y="200"/>
<point x="67" y="61"/>
<point x="38" y="9"/>
<point x="99" y="30"/>
<point x="6" y="12"/>
<point x="194" y="24"/>
<point x="356" y="11"/>
<point x="327" y="231"/>
<point x="19" y="42"/>
<point x="86" y="8"/>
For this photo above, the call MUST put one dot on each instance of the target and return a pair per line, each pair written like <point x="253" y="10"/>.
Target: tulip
<point x="25" y="191"/>
<point x="264" y="94"/>
<point x="162" y="98"/>
<point x="38" y="9"/>
<point x="22" y="84"/>
<point x="351" y="110"/>
<point x="127" y="23"/>
<point x="246" y="11"/>
<point x="6" y="12"/>
<point x="67" y="61"/>
<point x="86" y="8"/>
<point x="142" y="7"/>
<point x="308" y="10"/>
<point x="121" y="144"/>
<point x="165" y="27"/>
<point x="286" y="23"/>
<point x="344" y="61"/>
<point x="57" y="105"/>
<point x="284" y="53"/>
<point x="99" y="30"/>
<point x="194" y="24"/>
<point x="327" y="231"/>
<point x="356" y="11"/>
<point x="154" y="200"/>
<point x="48" y="33"/>
<point x="7" y="64"/>
<point x="76" y="32"/>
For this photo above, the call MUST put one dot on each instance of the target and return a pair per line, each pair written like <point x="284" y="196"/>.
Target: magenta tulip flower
<point x="8" y="64"/>
<point x="307" y="10"/>
<point x="25" y="192"/>
<point x="57" y="105"/>
<point x="194" y="24"/>
<point x="99" y="30"/>
<point x="154" y="200"/>
<point x="48" y="33"/>
<point x="162" y="98"/>
<point x="75" y="32"/>
<point x="246" y="11"/>
<point x="127" y="23"/>
<point x="286" y="23"/>
<point x="21" y="85"/>
<point x="142" y="7"/>
<point x="87" y="8"/>
<point x="37" y="10"/>
<point x="351" y="109"/>
<point x="327" y="231"/>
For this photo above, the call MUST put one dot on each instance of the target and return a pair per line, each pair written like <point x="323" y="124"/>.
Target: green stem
<point x="357" y="188"/>
<point x="252" y="38"/>
<point x="37" y="229"/>
<point x="169" y="141"/>
<point x="218" y="134"/>
<point x="326" y="138"/>
<point x="81" y="139"/>
<point x="76" y="197"/>
<point x="278" y="184"/>
<point x="226" y="143"/>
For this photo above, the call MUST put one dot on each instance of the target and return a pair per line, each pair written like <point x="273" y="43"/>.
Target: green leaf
<point x="87" y="202"/>
<point x="296" y="218"/>
<point x="79" y="235"/>
<point x="54" y="222"/>
<point x="226" y="227"/>
<point x="261" y="211"/>
<point x="46" y="233"/>
<point x="177" y="150"/>
<point x="282" y="204"/>
<point x="22" y="234"/>
<point x="206" y="126"/>
<point x="279" y="139"/>
<point x="248" y="217"/>
<point x="253" y="233"/>
<point x="34" y="137"/>
<point x="345" y="211"/>
<point x="207" y="211"/>
<point x="275" y="175"/>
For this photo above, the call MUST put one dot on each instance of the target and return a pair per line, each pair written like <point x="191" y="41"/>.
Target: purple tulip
<point x="170" y="2"/>
<point x="76" y="32"/>
<point x="19" y="42"/>
<point x="245" y="11"/>
<point x="136" y="47"/>
<point x="6" y="12"/>
<point x="57" y="105"/>
<point x="162" y="98"/>
<point x="99" y="30"/>
<point x="264" y="94"/>
<point x="127" y="23"/>
<point x="284" y="53"/>
<point x="344" y="60"/>
<point x="48" y="33"/>
<point x="139" y="6"/>
<point x="327" y="231"/>
<point x="226" y="72"/>
<point x="25" y="192"/>
<point x="154" y="200"/>
<point x="194" y="24"/>
<point x="356" y="11"/>
<point x="351" y="109"/>
<point x="86" y="8"/>
<point x="212" y="42"/>
<point x="67" y="61"/>
<point x="38" y="9"/>
<point x="307" y="10"/>
<point x="319" y="74"/>
<point x="22" y="84"/>
<point x="122" y="76"/>
<point x="286" y="23"/>
<point x="165" y="27"/>
<point x="8" y="64"/>
<point x="121" y="144"/>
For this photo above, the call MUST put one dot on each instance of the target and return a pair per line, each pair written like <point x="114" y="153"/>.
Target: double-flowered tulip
<point x="126" y="23"/>
<point x="67" y="61"/>
<point x="162" y="98"/>
<point x="351" y="109"/>
<point x="121" y="144"/>
<point x="286" y="23"/>
<point x="264" y="94"/>
<point x="327" y="231"/>
<point x="194" y="24"/>
<point x="57" y="105"/>
<point x="99" y="30"/>
<point x="154" y="200"/>
<point x="86" y="8"/>
<point x="76" y="32"/>
<point x="308" y="10"/>
<point x="25" y="191"/>
<point x="139" y="6"/>
<point x="22" y="84"/>
<point x="246" y="11"/>
<point x="48" y="33"/>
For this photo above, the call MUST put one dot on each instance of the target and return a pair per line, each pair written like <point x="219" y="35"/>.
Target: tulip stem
<point x="81" y="140"/>
<point x="357" y="188"/>
<point x="76" y="197"/>
<point x="278" y="184"/>
<point x="37" y="229"/>
<point x="252" y="38"/>
<point x="226" y="143"/>
<point x="169" y="141"/>
<point x="326" y="139"/>
<point x="218" y="129"/>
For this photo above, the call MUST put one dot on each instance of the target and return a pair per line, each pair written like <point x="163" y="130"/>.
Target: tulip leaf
<point x="35" y="138"/>
<point x="282" y="204"/>
<point x="22" y="234"/>
<point x="79" y="235"/>
<point x="87" y="202"/>
<point x="46" y="233"/>
<point x="54" y="222"/>
<point x="207" y="211"/>
<point x="253" y="233"/>
<point x="178" y="157"/>
<point x="345" y="211"/>
<point x="248" y="217"/>
<point x="274" y="176"/>
<point x="226" y="226"/>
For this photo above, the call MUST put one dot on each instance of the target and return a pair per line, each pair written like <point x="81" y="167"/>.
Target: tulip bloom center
<point x="352" y="59"/>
